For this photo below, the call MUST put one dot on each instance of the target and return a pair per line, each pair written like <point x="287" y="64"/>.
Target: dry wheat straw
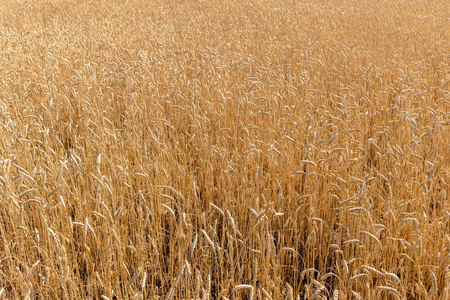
<point x="144" y="281"/>
<point x="290" y="292"/>
<point x="208" y="239"/>
<point x="171" y="292"/>
<point x="207" y="292"/>
<point x="266" y="294"/>
<point x="434" y="286"/>
<point x="373" y="270"/>
<point x="194" y="244"/>
<point x="390" y="290"/>
<point x="245" y="286"/>
<point x="135" y="275"/>
<point x="232" y="223"/>
<point x="217" y="209"/>
<point x="198" y="282"/>
<point x="336" y="294"/>
<point x="373" y="237"/>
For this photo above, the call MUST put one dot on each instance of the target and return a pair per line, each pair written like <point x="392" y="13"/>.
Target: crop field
<point x="205" y="149"/>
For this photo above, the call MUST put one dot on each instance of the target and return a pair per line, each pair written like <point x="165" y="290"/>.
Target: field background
<point x="222" y="150"/>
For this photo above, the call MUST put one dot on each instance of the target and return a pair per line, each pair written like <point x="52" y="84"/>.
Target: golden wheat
<point x="224" y="150"/>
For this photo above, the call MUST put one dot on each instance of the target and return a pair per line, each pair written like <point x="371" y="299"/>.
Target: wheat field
<point x="204" y="149"/>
